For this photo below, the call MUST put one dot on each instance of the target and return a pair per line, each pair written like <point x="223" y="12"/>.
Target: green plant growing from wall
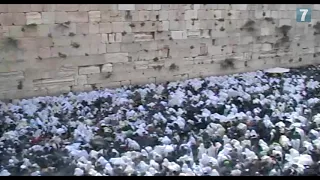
<point x="158" y="67"/>
<point x="20" y="85"/>
<point x="32" y="26"/>
<point x="284" y="29"/>
<point x="71" y="34"/>
<point x="108" y="75"/>
<point x="283" y="43"/>
<point x="227" y="63"/>
<point x="173" y="67"/>
<point x="10" y="43"/>
<point x="62" y="55"/>
<point x="156" y="59"/>
<point x="316" y="28"/>
<point x="269" y="19"/>
<point x="128" y="16"/>
<point x="75" y="45"/>
<point x="94" y="87"/>
<point x="132" y="25"/>
<point x="249" y="26"/>
<point x="64" y="25"/>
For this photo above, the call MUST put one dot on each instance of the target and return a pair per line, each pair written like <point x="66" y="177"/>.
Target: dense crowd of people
<point x="256" y="123"/>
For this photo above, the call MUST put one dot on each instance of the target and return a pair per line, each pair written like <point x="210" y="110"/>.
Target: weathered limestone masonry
<point x="48" y="49"/>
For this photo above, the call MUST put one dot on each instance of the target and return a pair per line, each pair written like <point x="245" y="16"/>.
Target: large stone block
<point x="192" y="25"/>
<point x="156" y="7"/>
<point x="78" y="17"/>
<point x="43" y="30"/>
<point x="128" y="38"/>
<point x="116" y="57"/>
<point x="105" y="27"/>
<point x="61" y="41"/>
<point x="57" y="90"/>
<point x="88" y="7"/>
<point x="176" y="15"/>
<point x="143" y="55"/>
<point x="61" y="51"/>
<point x="163" y="26"/>
<point x="130" y="47"/>
<point x="246" y="39"/>
<point x="16" y="8"/>
<point x="48" y="17"/>
<point x="117" y="27"/>
<point x="104" y="38"/>
<point x="81" y="80"/>
<point x="30" y="31"/>
<point x="316" y="7"/>
<point x="117" y="16"/>
<point x="143" y="37"/>
<point x="154" y="16"/>
<point x="41" y="42"/>
<point x="127" y="28"/>
<point x="62" y="29"/>
<point x="94" y="16"/>
<point x="265" y="31"/>
<point x="141" y="64"/>
<point x="44" y="52"/>
<point x="15" y="31"/>
<point x="27" y="43"/>
<point x="89" y="70"/>
<point x="144" y="15"/>
<point x="163" y="15"/>
<point x="114" y="37"/>
<point x="49" y="7"/>
<point x="113" y="48"/>
<point x="33" y="18"/>
<point x="205" y="33"/>
<point x="37" y="74"/>
<point x="19" y="19"/>
<point x="67" y="7"/>
<point x="191" y="14"/>
<point x="82" y="28"/>
<point x="108" y="7"/>
<point x="179" y="34"/>
<point x="177" y="25"/>
<point x="284" y="22"/>
<point x="37" y="7"/>
<point x="3" y="8"/>
<point x="6" y="19"/>
<point x="148" y="45"/>
<point x="86" y="60"/>
<point x="105" y="16"/>
<point x="141" y="7"/>
<point x="94" y="28"/>
<point x="126" y="7"/>
<point x="54" y="82"/>
<point x="102" y="48"/>
<point x="61" y="17"/>
<point x="83" y="50"/>
<point x="106" y="68"/>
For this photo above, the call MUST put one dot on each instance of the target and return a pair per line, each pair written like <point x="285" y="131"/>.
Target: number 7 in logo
<point x="303" y="15"/>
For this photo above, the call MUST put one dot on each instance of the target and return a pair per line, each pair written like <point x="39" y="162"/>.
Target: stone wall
<point x="55" y="48"/>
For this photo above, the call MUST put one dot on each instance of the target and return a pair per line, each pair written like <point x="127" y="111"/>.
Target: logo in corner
<point x="303" y="15"/>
